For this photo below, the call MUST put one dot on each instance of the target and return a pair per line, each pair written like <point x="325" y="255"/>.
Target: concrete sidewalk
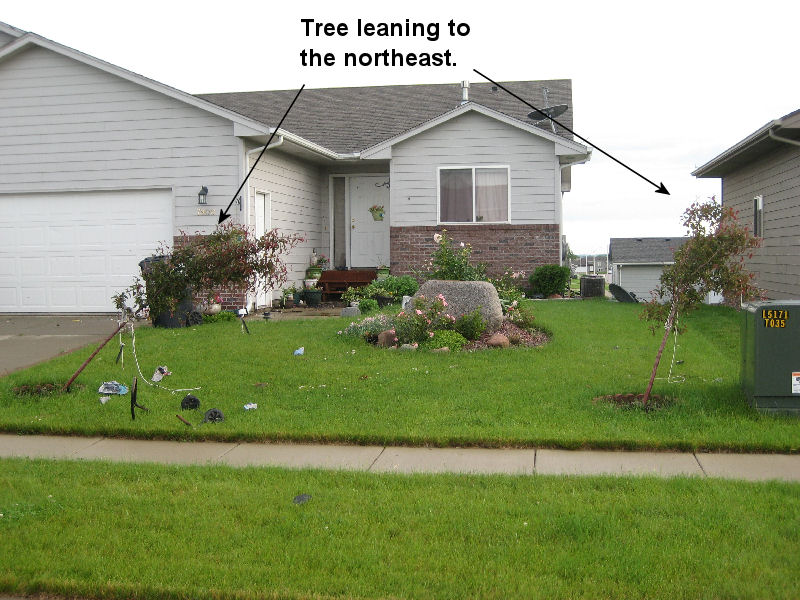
<point x="389" y="459"/>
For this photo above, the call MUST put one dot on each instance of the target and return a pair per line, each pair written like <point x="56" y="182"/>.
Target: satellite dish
<point x="550" y="112"/>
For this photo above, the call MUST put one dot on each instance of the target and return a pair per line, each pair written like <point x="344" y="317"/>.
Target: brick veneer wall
<point x="502" y="247"/>
<point x="232" y="299"/>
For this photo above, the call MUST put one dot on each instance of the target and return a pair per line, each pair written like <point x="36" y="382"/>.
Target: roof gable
<point x="653" y="250"/>
<point x="563" y="146"/>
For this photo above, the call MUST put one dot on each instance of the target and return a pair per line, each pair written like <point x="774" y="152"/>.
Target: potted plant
<point x="384" y="297"/>
<point x="312" y="296"/>
<point x="287" y="298"/>
<point x="215" y="306"/>
<point x="317" y="264"/>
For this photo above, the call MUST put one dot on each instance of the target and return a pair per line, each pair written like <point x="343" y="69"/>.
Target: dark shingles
<point x="352" y="119"/>
<point x="644" y="250"/>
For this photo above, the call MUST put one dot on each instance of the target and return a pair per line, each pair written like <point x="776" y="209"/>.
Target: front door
<point x="263" y="224"/>
<point x="369" y="221"/>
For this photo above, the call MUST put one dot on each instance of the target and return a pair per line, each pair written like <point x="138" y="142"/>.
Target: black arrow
<point x="223" y="214"/>
<point x="661" y="189"/>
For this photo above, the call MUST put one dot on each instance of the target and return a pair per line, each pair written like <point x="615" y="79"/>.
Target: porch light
<point x="202" y="195"/>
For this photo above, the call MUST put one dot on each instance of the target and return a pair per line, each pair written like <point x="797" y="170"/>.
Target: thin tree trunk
<point x="667" y="330"/>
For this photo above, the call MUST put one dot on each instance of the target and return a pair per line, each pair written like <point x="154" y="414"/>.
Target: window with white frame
<point x="758" y="216"/>
<point x="473" y="194"/>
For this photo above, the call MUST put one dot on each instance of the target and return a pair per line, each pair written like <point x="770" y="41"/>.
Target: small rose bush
<point x="421" y="318"/>
<point x="509" y="288"/>
<point x="451" y="261"/>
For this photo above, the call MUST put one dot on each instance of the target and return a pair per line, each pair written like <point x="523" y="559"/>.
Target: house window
<point x="758" y="216"/>
<point x="473" y="194"/>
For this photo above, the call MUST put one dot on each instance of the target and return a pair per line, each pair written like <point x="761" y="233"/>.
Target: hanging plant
<point x="377" y="212"/>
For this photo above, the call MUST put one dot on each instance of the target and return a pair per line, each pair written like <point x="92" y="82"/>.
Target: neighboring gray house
<point x="99" y="164"/>
<point x="761" y="180"/>
<point x="637" y="263"/>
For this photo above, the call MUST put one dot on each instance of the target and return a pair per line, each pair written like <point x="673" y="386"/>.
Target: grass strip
<point x="102" y="530"/>
<point x="344" y="390"/>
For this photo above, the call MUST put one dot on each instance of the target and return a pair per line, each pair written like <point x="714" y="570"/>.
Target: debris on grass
<point x="636" y="401"/>
<point x="41" y="389"/>
<point x="300" y="351"/>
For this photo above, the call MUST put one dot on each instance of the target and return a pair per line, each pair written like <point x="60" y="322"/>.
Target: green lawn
<point x="151" y="531"/>
<point x="345" y="390"/>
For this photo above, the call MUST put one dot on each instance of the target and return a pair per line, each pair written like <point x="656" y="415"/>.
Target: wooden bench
<point x="335" y="283"/>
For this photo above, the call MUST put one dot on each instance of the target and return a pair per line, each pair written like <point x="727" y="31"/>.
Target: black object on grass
<point x="302" y="498"/>
<point x="134" y="403"/>
<point x="213" y="415"/>
<point x="190" y="402"/>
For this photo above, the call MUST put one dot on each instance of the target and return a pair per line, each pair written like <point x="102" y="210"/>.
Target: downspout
<point x="247" y="170"/>
<point x="781" y="139"/>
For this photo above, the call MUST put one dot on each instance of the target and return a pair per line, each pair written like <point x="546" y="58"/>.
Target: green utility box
<point x="770" y="372"/>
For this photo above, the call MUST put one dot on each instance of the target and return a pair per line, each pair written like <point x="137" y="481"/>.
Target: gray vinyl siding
<point x="295" y="189"/>
<point x="775" y="176"/>
<point x="5" y="38"/>
<point x="69" y="126"/>
<point x="473" y="139"/>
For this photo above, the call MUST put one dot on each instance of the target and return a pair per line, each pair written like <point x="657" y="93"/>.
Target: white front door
<point x="263" y="224"/>
<point x="369" y="230"/>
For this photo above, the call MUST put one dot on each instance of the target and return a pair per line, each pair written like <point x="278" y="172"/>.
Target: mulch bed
<point x="636" y="401"/>
<point x="523" y="337"/>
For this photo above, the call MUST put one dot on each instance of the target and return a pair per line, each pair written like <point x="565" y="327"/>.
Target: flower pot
<point x="314" y="272"/>
<point x="310" y="283"/>
<point x="313" y="297"/>
<point x="383" y="272"/>
<point x="213" y="309"/>
<point x="297" y="297"/>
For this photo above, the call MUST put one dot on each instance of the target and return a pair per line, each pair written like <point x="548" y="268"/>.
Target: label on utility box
<point x="775" y="318"/>
<point x="796" y="382"/>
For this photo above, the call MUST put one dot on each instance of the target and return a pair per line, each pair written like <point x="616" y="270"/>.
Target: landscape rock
<point x="498" y="340"/>
<point x="351" y="311"/>
<point x="445" y="349"/>
<point x="386" y="339"/>
<point x="463" y="297"/>
<point x="407" y="347"/>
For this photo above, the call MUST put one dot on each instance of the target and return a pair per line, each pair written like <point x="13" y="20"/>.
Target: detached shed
<point x="637" y="263"/>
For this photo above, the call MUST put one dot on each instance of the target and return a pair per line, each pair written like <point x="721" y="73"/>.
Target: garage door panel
<point x="70" y="252"/>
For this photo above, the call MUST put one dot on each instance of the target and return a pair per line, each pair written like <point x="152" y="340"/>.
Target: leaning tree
<point x="711" y="260"/>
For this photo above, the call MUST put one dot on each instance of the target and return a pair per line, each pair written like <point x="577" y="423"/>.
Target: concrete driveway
<point x="28" y="340"/>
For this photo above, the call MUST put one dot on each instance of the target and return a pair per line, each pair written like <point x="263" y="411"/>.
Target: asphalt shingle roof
<point x="353" y="119"/>
<point x="644" y="250"/>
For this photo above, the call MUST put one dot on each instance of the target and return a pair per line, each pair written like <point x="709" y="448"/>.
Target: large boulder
<point x="463" y="297"/>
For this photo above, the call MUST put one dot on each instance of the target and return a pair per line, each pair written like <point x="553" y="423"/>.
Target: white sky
<point x="663" y="87"/>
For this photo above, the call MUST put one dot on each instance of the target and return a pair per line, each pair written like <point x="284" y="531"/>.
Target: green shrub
<point x="452" y="262"/>
<point x="521" y="316"/>
<point x="220" y="317"/>
<point x="368" y="305"/>
<point x="353" y="294"/>
<point x="446" y="339"/>
<point x="398" y="287"/>
<point x="471" y="325"/>
<point x="549" y="279"/>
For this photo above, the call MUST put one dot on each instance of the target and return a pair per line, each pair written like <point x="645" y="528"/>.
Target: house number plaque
<point x="205" y="212"/>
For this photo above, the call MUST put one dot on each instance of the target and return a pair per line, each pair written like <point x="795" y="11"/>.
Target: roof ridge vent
<point x="464" y="92"/>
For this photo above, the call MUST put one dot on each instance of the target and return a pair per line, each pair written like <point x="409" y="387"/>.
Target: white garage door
<point x="69" y="252"/>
